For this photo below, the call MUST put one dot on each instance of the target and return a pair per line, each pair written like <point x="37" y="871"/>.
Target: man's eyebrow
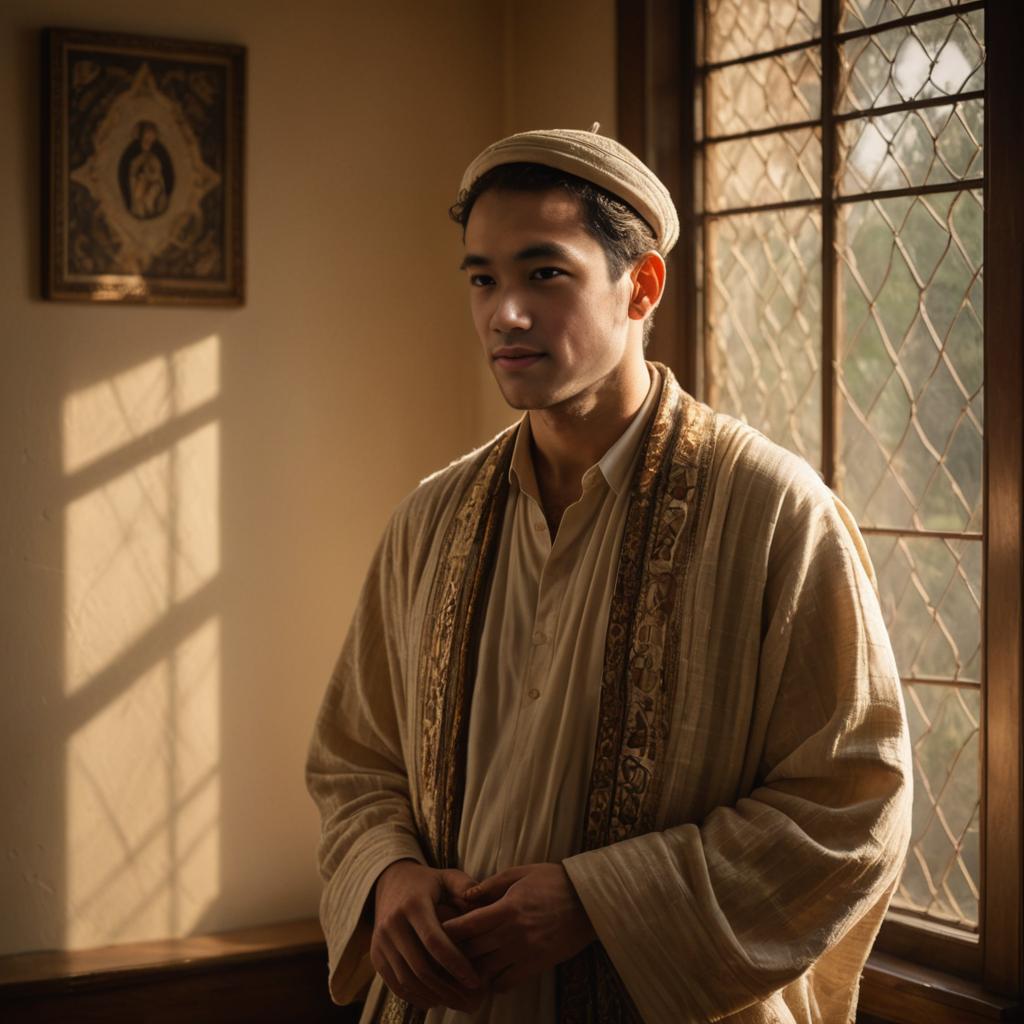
<point x="540" y="251"/>
<point x="544" y="251"/>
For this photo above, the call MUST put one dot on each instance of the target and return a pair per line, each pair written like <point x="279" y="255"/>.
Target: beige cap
<point x="595" y="158"/>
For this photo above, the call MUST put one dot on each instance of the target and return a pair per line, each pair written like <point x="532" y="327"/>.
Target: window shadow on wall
<point x="140" y="708"/>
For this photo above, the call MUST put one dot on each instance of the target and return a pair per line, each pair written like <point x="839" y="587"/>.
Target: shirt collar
<point x="616" y="463"/>
<point x="521" y="472"/>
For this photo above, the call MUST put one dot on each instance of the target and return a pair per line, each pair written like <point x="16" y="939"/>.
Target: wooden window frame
<point x="656" y="78"/>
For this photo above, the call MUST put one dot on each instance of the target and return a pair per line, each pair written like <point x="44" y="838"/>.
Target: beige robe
<point x="784" y="812"/>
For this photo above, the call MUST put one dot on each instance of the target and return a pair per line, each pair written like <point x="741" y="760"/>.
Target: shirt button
<point x="540" y="526"/>
<point x="540" y="638"/>
<point x="533" y="693"/>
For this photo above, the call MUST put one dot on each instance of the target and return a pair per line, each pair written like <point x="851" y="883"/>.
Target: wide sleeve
<point x="356" y="770"/>
<point x="705" y="919"/>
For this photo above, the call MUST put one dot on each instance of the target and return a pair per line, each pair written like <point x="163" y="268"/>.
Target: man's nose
<point x="510" y="313"/>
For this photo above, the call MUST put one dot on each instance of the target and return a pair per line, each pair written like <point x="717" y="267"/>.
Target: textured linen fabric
<point x="785" y="813"/>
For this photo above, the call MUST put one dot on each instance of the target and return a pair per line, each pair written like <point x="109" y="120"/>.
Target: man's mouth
<point x="513" y="357"/>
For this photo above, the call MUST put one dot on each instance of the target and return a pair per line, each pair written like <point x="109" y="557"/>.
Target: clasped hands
<point x="442" y="939"/>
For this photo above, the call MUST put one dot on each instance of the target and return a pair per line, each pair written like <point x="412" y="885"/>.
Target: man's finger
<point x="496" y="886"/>
<point x="446" y="911"/>
<point x="398" y="977"/>
<point x="423" y="967"/>
<point x="477" y="922"/>
<point x="440" y="947"/>
<point x="456" y="882"/>
<point x="483" y="945"/>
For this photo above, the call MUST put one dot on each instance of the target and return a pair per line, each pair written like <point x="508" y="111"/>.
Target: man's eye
<point x="480" y="280"/>
<point x="547" y="273"/>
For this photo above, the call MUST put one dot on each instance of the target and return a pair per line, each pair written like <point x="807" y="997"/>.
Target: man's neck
<point x="572" y="437"/>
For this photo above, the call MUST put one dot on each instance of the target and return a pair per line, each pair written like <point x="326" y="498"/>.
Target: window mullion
<point x="708" y="375"/>
<point x="830" y="305"/>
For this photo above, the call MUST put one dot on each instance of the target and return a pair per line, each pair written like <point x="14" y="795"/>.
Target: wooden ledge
<point x="50" y="969"/>
<point x="261" y="975"/>
<point x="898" y="992"/>
<point x="258" y="974"/>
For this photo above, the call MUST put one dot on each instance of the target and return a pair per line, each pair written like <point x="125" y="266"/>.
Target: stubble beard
<point x="529" y="396"/>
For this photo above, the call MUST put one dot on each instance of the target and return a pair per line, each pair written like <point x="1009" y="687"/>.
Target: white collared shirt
<point x="536" y="698"/>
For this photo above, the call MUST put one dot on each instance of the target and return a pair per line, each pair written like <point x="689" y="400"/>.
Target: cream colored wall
<point x="559" y="73"/>
<point x="191" y="496"/>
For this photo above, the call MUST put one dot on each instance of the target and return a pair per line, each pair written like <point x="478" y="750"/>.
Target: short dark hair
<point x="622" y="233"/>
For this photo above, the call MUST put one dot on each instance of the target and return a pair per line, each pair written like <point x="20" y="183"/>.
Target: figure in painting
<point x="146" y="173"/>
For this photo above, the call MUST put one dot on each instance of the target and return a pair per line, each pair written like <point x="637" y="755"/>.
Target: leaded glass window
<point x="840" y="198"/>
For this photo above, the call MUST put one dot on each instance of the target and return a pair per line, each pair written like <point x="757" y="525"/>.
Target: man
<point x="616" y="734"/>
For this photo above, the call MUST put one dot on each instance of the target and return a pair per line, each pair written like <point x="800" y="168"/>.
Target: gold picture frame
<point x="143" y="154"/>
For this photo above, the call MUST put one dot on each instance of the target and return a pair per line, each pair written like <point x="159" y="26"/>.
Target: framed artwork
<point x="143" y="169"/>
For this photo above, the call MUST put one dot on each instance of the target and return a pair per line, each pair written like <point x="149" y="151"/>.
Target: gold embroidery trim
<point x="641" y="665"/>
<point x="454" y="614"/>
<point x="446" y="666"/>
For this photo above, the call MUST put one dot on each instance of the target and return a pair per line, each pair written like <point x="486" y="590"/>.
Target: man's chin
<point x="519" y="396"/>
<point x="522" y="402"/>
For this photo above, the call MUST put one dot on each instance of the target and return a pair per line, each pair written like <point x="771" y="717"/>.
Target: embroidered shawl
<point x="640" y="664"/>
<point x="748" y="803"/>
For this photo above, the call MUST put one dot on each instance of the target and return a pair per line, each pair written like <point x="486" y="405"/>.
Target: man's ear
<point x="648" y="282"/>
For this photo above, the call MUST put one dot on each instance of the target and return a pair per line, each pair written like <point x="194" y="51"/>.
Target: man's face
<point x="552" y="324"/>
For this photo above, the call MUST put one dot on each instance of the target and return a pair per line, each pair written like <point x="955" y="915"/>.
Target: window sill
<point x="894" y="991"/>
<point x="261" y="975"/>
<point x="286" y="962"/>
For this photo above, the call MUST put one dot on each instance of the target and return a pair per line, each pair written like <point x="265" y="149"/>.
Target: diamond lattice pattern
<point x="909" y="148"/>
<point x="864" y="13"/>
<point x="765" y="93"/>
<point x="765" y="169"/>
<point x="913" y="62"/>
<point x="940" y="879"/>
<point x="930" y="592"/>
<point x="737" y="28"/>
<point x="765" y="322"/>
<point x="909" y="349"/>
<point x="910" y="374"/>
